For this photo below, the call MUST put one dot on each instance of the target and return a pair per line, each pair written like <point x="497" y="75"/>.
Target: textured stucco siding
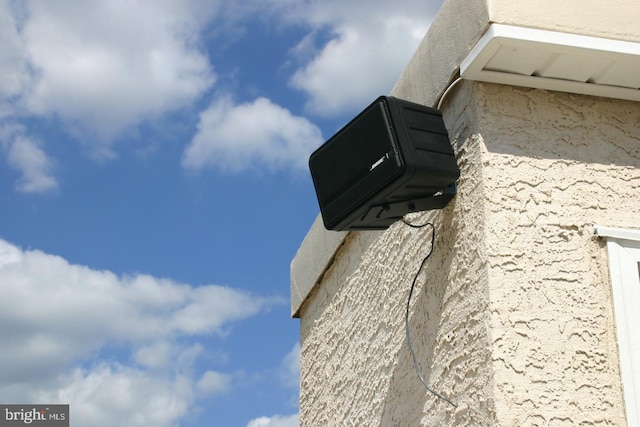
<point x="451" y="36"/>
<point x="512" y="317"/>
<point x="615" y="20"/>
<point x="555" y="164"/>
<point x="356" y="368"/>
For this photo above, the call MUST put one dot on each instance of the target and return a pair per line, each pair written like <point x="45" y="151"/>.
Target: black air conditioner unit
<point x="393" y="158"/>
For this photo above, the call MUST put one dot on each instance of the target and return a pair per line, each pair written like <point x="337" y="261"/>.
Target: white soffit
<point x="555" y="61"/>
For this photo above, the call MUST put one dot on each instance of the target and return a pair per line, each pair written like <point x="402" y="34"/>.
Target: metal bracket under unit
<point x="399" y="209"/>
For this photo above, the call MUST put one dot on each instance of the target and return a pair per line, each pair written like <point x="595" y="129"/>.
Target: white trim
<point x="555" y="60"/>
<point x="618" y="233"/>
<point x="623" y="247"/>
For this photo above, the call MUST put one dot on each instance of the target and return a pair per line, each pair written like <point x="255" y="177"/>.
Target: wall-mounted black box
<point x="393" y="158"/>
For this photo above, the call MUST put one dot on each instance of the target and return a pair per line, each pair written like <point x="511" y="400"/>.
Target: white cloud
<point x="368" y="47"/>
<point x="104" y="66"/>
<point x="355" y="66"/>
<point x="34" y="164"/>
<point x="291" y="367"/>
<point x="14" y="72"/>
<point x="112" y="394"/>
<point x="126" y="309"/>
<point x="27" y="156"/>
<point x="57" y="318"/>
<point x="237" y="137"/>
<point x="275" y="421"/>
<point x="156" y="355"/>
<point x="213" y="382"/>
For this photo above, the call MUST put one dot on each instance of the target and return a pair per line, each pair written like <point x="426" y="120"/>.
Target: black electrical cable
<point x="406" y="317"/>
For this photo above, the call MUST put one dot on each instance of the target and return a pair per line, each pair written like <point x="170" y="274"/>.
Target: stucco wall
<point x="555" y="164"/>
<point x="616" y="20"/>
<point x="356" y="368"/>
<point x="512" y="318"/>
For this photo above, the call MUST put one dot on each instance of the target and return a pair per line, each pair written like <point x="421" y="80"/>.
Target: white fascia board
<point x="557" y="61"/>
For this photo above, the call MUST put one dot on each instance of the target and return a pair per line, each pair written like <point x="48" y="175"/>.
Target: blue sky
<point x="154" y="189"/>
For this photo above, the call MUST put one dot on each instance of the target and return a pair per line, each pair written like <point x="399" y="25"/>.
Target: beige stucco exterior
<point x="512" y="317"/>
